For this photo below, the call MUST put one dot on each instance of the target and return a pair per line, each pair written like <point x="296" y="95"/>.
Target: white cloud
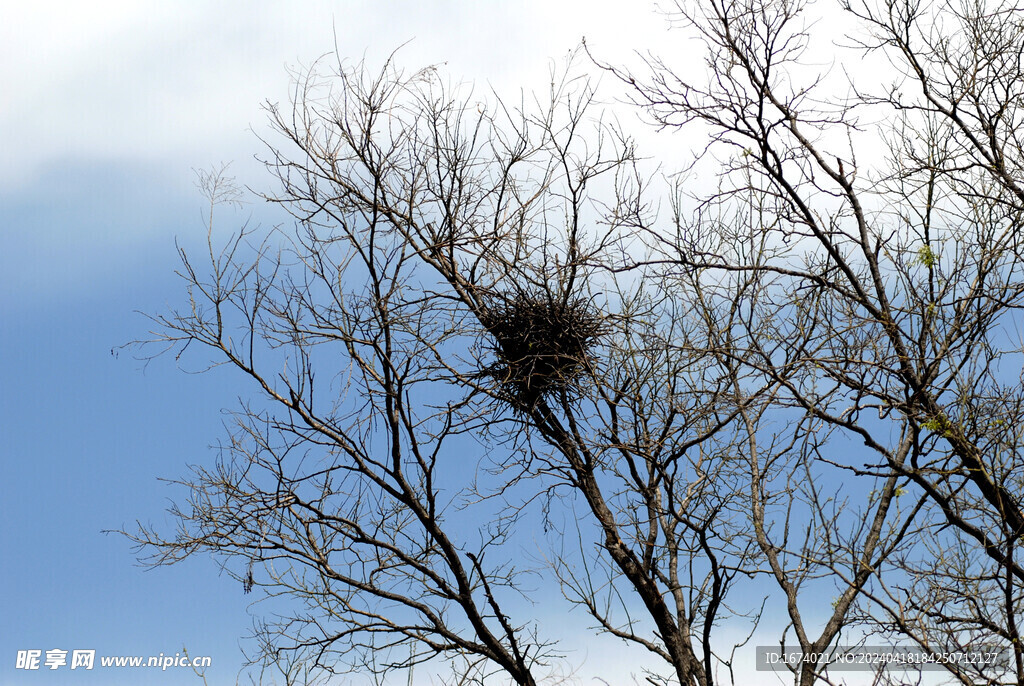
<point x="107" y="106"/>
<point x="181" y="82"/>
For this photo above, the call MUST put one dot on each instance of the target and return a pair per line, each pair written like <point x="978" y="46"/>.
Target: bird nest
<point x="542" y="345"/>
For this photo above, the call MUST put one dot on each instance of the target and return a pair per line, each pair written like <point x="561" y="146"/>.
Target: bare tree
<point x="483" y="362"/>
<point x="884" y="288"/>
<point x="337" y="489"/>
<point x="445" y="356"/>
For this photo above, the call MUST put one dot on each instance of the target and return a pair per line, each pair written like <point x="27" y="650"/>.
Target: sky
<point x="106" y="110"/>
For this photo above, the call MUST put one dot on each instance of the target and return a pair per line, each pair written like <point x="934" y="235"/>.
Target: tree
<point x="482" y="325"/>
<point x="884" y="288"/>
<point x="450" y="279"/>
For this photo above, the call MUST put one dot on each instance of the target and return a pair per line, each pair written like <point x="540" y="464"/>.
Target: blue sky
<point x="106" y="109"/>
